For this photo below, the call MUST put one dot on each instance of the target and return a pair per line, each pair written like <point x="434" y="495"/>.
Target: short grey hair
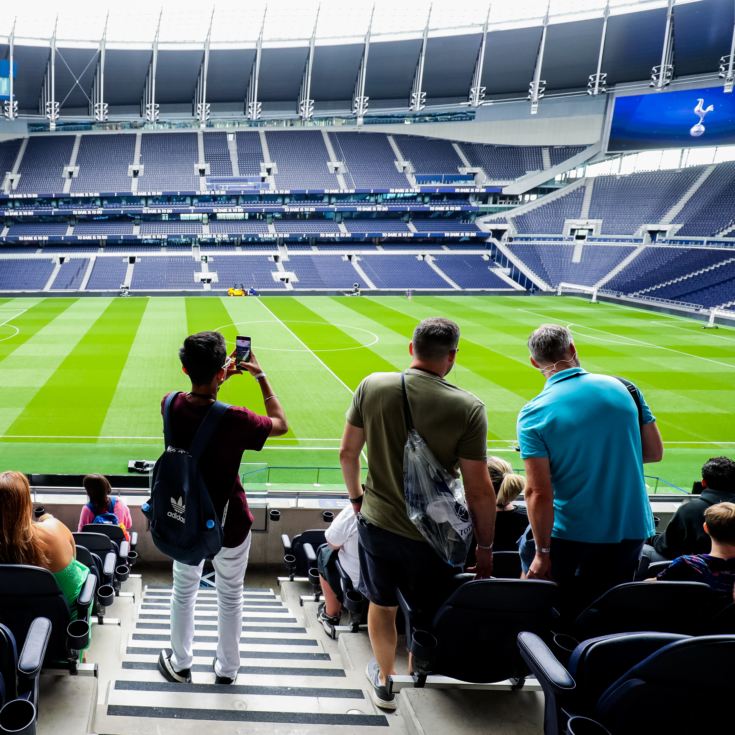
<point x="435" y="338"/>
<point x="549" y="343"/>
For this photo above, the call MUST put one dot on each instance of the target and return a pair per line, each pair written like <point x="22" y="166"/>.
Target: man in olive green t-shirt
<point x="393" y="554"/>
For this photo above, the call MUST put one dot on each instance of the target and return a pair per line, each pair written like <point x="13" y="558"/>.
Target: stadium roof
<point x="702" y="32"/>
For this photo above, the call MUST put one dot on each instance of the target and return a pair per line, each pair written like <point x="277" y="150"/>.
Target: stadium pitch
<point x="82" y="378"/>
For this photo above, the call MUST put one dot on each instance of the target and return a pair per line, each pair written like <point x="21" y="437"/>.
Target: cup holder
<point x="585" y="726"/>
<point x="289" y="560"/>
<point x="274" y="515"/>
<point x="314" y="578"/>
<point x="327" y="516"/>
<point x="106" y="595"/>
<point x="353" y="600"/>
<point x="565" y="643"/>
<point x="77" y="635"/>
<point x="423" y="648"/>
<point x="122" y="572"/>
<point x="132" y="558"/>
<point x="18" y="717"/>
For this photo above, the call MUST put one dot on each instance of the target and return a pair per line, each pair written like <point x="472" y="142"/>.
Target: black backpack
<point x="184" y="523"/>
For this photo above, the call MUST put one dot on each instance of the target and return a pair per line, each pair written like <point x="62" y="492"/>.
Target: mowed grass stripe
<point x="74" y="400"/>
<point x="152" y="367"/>
<point x="28" y="316"/>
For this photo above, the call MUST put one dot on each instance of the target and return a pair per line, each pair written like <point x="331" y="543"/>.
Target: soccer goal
<point x="570" y="289"/>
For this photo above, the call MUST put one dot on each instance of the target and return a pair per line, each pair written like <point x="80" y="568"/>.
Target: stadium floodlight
<point x="727" y="71"/>
<point x="663" y="73"/>
<point x="536" y="91"/>
<point x="597" y="84"/>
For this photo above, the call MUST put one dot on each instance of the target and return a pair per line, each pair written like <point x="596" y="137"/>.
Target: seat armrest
<point x="133" y="540"/>
<point x="309" y="554"/>
<point x="108" y="566"/>
<point x="86" y="596"/>
<point x="34" y="648"/>
<point x="544" y="665"/>
<point x="124" y="550"/>
<point x="286" y="541"/>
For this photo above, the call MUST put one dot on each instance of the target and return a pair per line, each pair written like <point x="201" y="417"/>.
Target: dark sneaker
<point x="381" y="693"/>
<point x="328" y="622"/>
<point x="168" y="671"/>
<point x="224" y="680"/>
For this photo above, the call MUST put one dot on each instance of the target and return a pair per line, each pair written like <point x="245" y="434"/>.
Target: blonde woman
<point x="46" y="543"/>
<point x="511" y="519"/>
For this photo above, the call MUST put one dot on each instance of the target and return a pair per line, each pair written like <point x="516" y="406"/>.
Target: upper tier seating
<point x="171" y="227"/>
<point x="35" y="229"/>
<point x="504" y="162"/>
<point x="710" y="210"/>
<point x="103" y="162"/>
<point x="25" y="274"/>
<point x="314" y="226"/>
<point x="553" y="262"/>
<point x="42" y="167"/>
<point x="470" y="271"/>
<point x="169" y="161"/>
<point x="429" y="155"/>
<point x="561" y="153"/>
<point x="370" y="161"/>
<point x="102" y="227"/>
<point x="322" y="272"/>
<point x="624" y="203"/>
<point x="548" y="219"/>
<point x="301" y="158"/>
<point x="8" y="153"/>
<point x="439" y="224"/>
<point x="237" y="227"/>
<point x="658" y="264"/>
<point x="71" y="274"/>
<point x="250" y="270"/>
<point x="249" y="153"/>
<point x="358" y="226"/>
<point x="217" y="154"/>
<point x="401" y="272"/>
<point x="165" y="272"/>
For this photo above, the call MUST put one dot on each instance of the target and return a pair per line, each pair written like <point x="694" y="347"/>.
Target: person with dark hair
<point x="685" y="533"/>
<point x="393" y="553"/>
<point x="716" y="567"/>
<point x="204" y="359"/>
<point x="46" y="543"/>
<point x="511" y="519"/>
<point x="101" y="503"/>
<point x="584" y="440"/>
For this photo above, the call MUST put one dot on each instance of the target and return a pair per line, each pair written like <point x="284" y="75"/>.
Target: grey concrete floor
<point x="256" y="576"/>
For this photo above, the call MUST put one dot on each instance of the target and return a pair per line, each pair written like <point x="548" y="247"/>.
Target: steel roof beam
<point x="48" y="104"/>
<point x="10" y="107"/>
<point x="417" y="100"/>
<point x="149" y="106"/>
<point x="477" y="91"/>
<point x="359" y="99"/>
<point x="253" y="106"/>
<point x="537" y="87"/>
<point x="597" y="83"/>
<point x="305" y="106"/>
<point x="200" y="105"/>
<point x="727" y="65"/>
<point x="663" y="73"/>
<point x="98" y="108"/>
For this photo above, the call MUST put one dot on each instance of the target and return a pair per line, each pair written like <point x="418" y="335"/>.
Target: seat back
<point x="506" y="565"/>
<point x="8" y="665"/>
<point x="113" y="532"/>
<point x="26" y="593"/>
<point x="670" y="607"/>
<point x="684" y="687"/>
<point x="316" y="538"/>
<point x="91" y="561"/>
<point x="477" y="627"/>
<point x="97" y="542"/>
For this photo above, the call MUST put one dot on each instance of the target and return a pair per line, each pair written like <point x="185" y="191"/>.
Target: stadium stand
<point x="103" y="162"/>
<point x="710" y="211"/>
<point x="322" y="272"/>
<point x="8" y="153"/>
<point x="38" y="229"/>
<point x="107" y="274"/>
<point x="301" y="158"/>
<point x="429" y="156"/>
<point x="70" y="275"/>
<point x="370" y="161"/>
<point x="549" y="218"/>
<point x="471" y="271"/>
<point x="104" y="227"/>
<point x="250" y="270"/>
<point x="164" y="273"/>
<point x="217" y="154"/>
<point x="168" y="162"/>
<point x="712" y="287"/>
<point x="27" y="274"/>
<point x="171" y="227"/>
<point x="358" y="226"/>
<point x="309" y="226"/>
<point x="438" y="224"/>
<point x="401" y="272"/>
<point x="249" y="153"/>
<point x="237" y="227"/>
<point x="42" y="166"/>
<point x="504" y="163"/>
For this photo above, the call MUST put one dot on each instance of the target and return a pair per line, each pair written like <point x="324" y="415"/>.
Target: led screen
<point x="683" y="119"/>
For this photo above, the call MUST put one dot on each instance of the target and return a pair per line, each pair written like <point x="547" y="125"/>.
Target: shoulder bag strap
<point x="207" y="428"/>
<point x="630" y="387"/>
<point x="406" y="408"/>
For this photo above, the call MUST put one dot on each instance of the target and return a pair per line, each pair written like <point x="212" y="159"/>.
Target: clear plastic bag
<point x="435" y="502"/>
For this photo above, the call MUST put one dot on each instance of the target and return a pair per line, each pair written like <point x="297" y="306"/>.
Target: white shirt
<point x="342" y="532"/>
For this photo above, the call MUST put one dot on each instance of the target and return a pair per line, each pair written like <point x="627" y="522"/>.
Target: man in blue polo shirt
<point x="584" y="442"/>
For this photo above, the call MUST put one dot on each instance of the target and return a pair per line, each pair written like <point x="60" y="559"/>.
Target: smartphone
<point x="242" y="349"/>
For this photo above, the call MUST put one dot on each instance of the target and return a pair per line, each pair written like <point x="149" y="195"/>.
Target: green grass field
<point x="81" y="379"/>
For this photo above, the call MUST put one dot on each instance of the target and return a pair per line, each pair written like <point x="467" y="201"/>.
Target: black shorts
<point x="326" y="562"/>
<point x="389" y="562"/>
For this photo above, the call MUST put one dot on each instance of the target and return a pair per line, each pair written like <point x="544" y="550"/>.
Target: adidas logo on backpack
<point x="179" y="508"/>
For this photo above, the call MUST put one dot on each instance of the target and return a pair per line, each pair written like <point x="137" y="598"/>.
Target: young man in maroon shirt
<point x="204" y="359"/>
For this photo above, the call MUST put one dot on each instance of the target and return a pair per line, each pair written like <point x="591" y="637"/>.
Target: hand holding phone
<point x="242" y="350"/>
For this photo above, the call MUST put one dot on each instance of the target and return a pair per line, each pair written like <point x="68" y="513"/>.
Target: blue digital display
<point x="682" y="119"/>
<point x="5" y="78"/>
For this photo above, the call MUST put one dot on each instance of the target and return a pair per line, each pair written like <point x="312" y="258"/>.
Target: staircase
<point x="288" y="683"/>
<point x="587" y="200"/>
<point x="669" y="217"/>
<point x="232" y="148"/>
<point x="684" y="278"/>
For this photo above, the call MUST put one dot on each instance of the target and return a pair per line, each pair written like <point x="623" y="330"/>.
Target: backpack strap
<point x="630" y="387"/>
<point x="167" y="435"/>
<point x="207" y="428"/>
<point x="113" y="501"/>
<point x="406" y="407"/>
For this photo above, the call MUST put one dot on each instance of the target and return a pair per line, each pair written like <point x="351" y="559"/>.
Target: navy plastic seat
<point x="300" y="552"/>
<point x="114" y="532"/>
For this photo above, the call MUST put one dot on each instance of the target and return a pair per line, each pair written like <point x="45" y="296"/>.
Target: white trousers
<point x="229" y="566"/>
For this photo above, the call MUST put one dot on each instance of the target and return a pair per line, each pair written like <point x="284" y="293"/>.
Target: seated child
<point x="717" y="569"/>
<point x="511" y="519"/>
<point x="102" y="504"/>
<point x="341" y="543"/>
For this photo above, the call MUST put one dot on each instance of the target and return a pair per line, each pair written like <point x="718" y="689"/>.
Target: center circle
<point x="374" y="339"/>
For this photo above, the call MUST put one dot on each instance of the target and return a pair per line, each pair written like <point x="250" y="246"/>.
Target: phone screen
<point x="242" y="349"/>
